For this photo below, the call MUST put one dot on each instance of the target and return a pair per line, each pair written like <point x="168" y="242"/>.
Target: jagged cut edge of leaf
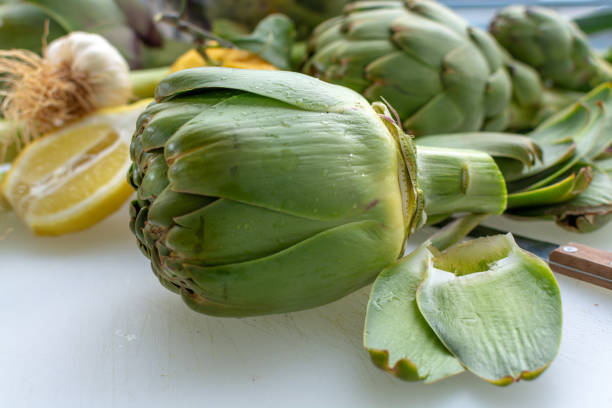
<point x="403" y="368"/>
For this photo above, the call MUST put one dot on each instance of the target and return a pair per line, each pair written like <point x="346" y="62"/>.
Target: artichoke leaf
<point x="495" y="307"/>
<point x="586" y="125"/>
<point x="229" y="232"/>
<point x="272" y="40"/>
<point x="308" y="279"/>
<point x="587" y="212"/>
<point x="499" y="145"/>
<point x="564" y="190"/>
<point x="396" y="335"/>
<point x="308" y="93"/>
<point x="242" y="163"/>
<point x="163" y="119"/>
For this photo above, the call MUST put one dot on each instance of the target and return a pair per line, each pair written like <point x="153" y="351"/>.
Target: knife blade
<point x="572" y="259"/>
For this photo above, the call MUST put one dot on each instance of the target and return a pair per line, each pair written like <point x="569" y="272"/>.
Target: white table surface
<point x="85" y="323"/>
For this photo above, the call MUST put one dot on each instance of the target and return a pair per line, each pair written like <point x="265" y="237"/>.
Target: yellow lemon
<point x="226" y="57"/>
<point x="75" y="176"/>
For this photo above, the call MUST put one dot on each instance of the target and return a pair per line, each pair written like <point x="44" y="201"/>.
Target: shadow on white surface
<point x="102" y="238"/>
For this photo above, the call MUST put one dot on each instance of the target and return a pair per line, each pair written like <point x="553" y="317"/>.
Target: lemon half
<point x="71" y="178"/>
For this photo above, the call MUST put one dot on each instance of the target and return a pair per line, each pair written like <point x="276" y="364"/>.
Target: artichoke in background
<point x="532" y="101"/>
<point x="440" y="74"/>
<point x="269" y="191"/>
<point x="551" y="44"/>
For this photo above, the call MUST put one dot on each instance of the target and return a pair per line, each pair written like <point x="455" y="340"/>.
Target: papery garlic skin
<point x="92" y="59"/>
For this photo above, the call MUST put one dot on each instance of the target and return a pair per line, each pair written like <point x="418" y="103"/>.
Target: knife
<point x="572" y="259"/>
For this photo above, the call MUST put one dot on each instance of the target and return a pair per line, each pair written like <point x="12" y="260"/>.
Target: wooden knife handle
<point x="584" y="263"/>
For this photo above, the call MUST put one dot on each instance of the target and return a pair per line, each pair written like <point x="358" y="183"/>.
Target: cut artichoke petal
<point x="396" y="335"/>
<point x="495" y="307"/>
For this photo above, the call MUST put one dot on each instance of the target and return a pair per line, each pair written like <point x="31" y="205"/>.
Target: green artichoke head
<point x="265" y="191"/>
<point x="552" y="44"/>
<point x="440" y="74"/>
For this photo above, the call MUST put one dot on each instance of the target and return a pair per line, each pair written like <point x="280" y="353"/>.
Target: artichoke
<point x="440" y="74"/>
<point x="267" y="191"/>
<point x="553" y="45"/>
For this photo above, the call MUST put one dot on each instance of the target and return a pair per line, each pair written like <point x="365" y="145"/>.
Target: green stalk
<point x="456" y="180"/>
<point x="144" y="81"/>
<point x="456" y="231"/>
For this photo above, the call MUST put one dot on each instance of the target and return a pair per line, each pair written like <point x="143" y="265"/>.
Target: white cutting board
<point x="84" y="323"/>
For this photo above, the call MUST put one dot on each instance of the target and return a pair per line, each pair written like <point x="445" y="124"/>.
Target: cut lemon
<point x="74" y="177"/>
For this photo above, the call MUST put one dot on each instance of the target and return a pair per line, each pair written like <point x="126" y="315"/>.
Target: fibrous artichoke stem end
<point x="460" y="180"/>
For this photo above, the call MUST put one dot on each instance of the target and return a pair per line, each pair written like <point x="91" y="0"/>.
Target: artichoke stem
<point x="144" y="81"/>
<point x="457" y="180"/>
<point x="456" y="231"/>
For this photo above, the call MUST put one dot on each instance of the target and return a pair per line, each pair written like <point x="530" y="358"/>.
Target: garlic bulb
<point x="93" y="60"/>
<point x="78" y="73"/>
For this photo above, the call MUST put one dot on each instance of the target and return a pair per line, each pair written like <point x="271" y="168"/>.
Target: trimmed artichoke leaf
<point x="499" y="145"/>
<point x="589" y="211"/>
<point x="588" y="124"/>
<point x="563" y="190"/>
<point x="495" y="307"/>
<point x="272" y="40"/>
<point x="553" y="157"/>
<point x="396" y="335"/>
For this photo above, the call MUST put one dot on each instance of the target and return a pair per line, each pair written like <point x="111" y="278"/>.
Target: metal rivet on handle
<point x="570" y="249"/>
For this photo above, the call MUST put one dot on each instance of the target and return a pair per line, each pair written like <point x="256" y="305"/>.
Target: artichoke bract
<point x="268" y="191"/>
<point x="440" y="74"/>
<point x="551" y="44"/>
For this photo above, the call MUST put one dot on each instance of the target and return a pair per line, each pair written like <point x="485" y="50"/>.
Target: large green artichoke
<point x="552" y="44"/>
<point x="266" y="191"/>
<point x="440" y="74"/>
